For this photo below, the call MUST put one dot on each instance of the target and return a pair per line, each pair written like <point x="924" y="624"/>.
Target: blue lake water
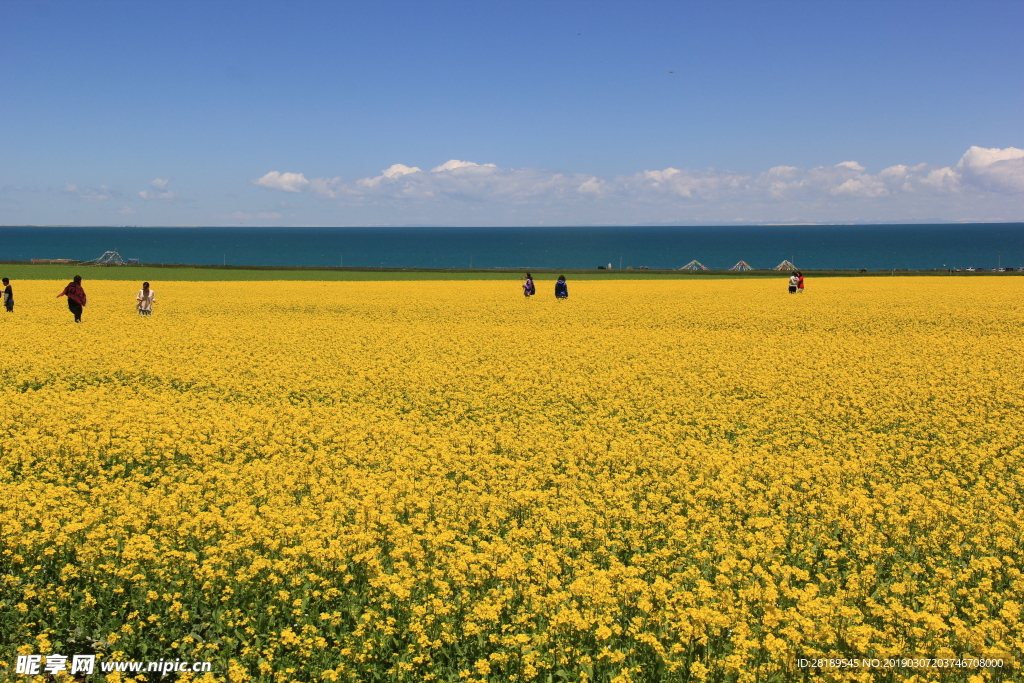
<point x="874" y="247"/>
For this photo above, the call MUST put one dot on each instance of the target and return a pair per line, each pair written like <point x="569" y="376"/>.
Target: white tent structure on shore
<point x="109" y="258"/>
<point x="694" y="265"/>
<point x="742" y="265"/>
<point x="785" y="265"/>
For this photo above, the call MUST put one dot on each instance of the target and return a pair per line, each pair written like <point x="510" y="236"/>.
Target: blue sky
<point x="510" y="113"/>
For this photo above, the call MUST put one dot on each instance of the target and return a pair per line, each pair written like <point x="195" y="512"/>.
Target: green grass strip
<point x="186" y="273"/>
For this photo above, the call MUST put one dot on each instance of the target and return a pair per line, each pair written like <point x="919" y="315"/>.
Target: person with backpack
<point x="529" y="289"/>
<point x="561" y="289"/>
<point x="76" y="297"/>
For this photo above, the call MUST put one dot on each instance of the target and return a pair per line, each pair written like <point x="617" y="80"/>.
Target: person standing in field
<point x="8" y="296"/>
<point x="799" y="282"/>
<point x="793" y="282"/>
<point x="529" y="289"/>
<point x="146" y="299"/>
<point x="76" y="297"/>
<point x="561" y="289"/>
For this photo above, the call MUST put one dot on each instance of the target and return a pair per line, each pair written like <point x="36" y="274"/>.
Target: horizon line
<point x="500" y="227"/>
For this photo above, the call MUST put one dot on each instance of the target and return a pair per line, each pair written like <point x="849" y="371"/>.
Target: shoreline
<point x="22" y="270"/>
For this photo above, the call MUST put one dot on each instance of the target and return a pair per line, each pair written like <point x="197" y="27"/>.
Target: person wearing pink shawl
<point x="76" y="297"/>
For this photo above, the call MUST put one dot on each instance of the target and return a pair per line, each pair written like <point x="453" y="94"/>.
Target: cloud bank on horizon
<point x="985" y="184"/>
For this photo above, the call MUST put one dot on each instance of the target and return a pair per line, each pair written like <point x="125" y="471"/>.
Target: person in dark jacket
<point x="76" y="297"/>
<point x="561" y="289"/>
<point x="8" y="296"/>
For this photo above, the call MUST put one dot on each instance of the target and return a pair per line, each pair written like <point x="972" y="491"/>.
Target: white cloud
<point x="850" y="180"/>
<point x="326" y="188"/>
<point x="399" y="170"/>
<point x="592" y="186"/>
<point x="454" y="164"/>
<point x="89" y="194"/>
<point x="659" y="177"/>
<point x="286" y="182"/>
<point x="126" y="210"/>
<point x="859" y="187"/>
<point x="160" y="184"/>
<point x="463" y="180"/>
<point x="393" y="172"/>
<point x="163" y="195"/>
<point x="780" y="181"/>
<point x="460" y="190"/>
<point x="145" y="194"/>
<point x="941" y="179"/>
<point x="686" y="184"/>
<point x="997" y="170"/>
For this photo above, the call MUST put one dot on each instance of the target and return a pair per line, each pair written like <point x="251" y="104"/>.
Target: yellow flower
<point x="440" y="479"/>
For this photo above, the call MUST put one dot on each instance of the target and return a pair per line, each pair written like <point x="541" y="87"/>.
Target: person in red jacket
<point x="799" y="282"/>
<point x="76" y="297"/>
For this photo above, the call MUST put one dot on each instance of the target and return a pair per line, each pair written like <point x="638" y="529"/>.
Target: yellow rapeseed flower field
<point x="412" y="481"/>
